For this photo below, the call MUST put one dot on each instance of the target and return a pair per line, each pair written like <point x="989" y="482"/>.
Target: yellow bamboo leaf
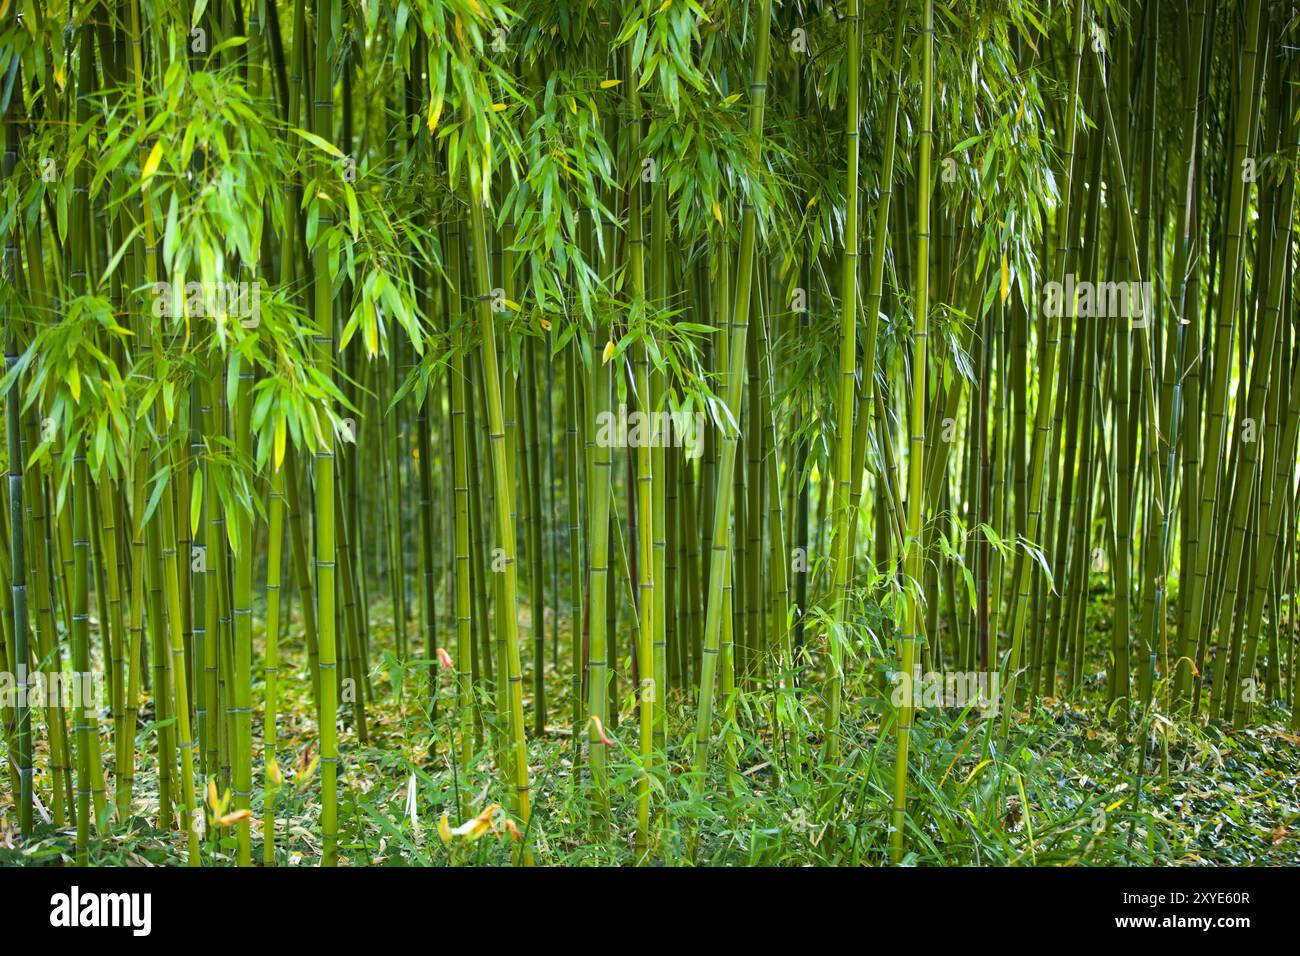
<point x="608" y="84"/>
<point x="435" y="113"/>
<point x="151" y="164"/>
<point x="213" y="800"/>
<point x="280" y="431"/>
<point x="475" y="827"/>
<point x="1006" y="278"/>
<point x="717" y="212"/>
<point x="978" y="767"/>
<point x="665" y="6"/>
<point x="305" y="775"/>
<point x="230" y="819"/>
<point x="545" y="323"/>
<point x="608" y="353"/>
<point x="273" y="774"/>
<point x="498" y="107"/>
<point x="444" y="829"/>
<point x="371" y="328"/>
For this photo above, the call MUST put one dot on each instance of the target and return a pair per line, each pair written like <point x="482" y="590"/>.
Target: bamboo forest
<point x="615" y="433"/>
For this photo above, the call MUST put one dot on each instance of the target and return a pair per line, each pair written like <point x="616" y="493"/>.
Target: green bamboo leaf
<point x="159" y="486"/>
<point x="319" y="142"/>
<point x="196" y="501"/>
